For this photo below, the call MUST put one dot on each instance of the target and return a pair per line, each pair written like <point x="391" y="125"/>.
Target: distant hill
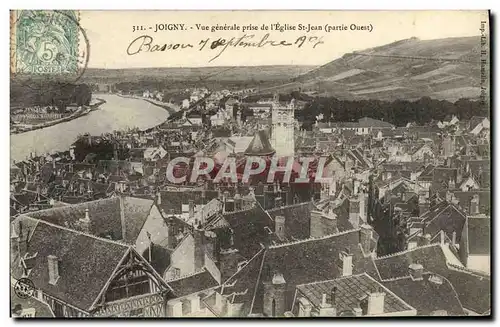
<point x="445" y="69"/>
<point x="240" y="73"/>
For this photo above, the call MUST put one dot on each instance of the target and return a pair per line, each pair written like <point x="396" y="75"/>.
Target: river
<point x="116" y="114"/>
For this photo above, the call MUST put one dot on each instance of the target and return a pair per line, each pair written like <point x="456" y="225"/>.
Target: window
<point x="176" y="273"/>
<point x="132" y="284"/>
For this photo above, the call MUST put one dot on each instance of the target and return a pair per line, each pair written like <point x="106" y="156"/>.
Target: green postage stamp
<point x="44" y="42"/>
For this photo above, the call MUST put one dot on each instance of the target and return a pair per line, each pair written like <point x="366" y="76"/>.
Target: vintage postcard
<point x="218" y="164"/>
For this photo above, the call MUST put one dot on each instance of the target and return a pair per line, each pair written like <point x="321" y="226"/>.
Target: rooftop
<point x="349" y="290"/>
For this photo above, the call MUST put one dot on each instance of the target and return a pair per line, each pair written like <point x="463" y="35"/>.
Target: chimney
<point x="451" y="184"/>
<point x="225" y="197"/>
<point x="279" y="227"/>
<point x="278" y="202"/>
<point x="53" y="265"/>
<point x="346" y="263"/>
<point x="174" y="308"/>
<point x="274" y="296"/>
<point x="365" y="238"/>
<point x="195" y="303"/>
<point x="204" y="194"/>
<point x="171" y="242"/>
<point x="416" y="270"/>
<point x="459" y="176"/>
<point x="85" y="222"/>
<point x="356" y="185"/>
<point x="191" y="209"/>
<point x="423" y="203"/>
<point x="474" y="205"/>
<point x="333" y="296"/>
<point x="454" y="238"/>
<point x="327" y="309"/>
<point x="427" y="239"/>
<point x="442" y="237"/>
<point x="22" y="240"/>
<point x="238" y="201"/>
<point x="158" y="198"/>
<point x="358" y="312"/>
<point x="305" y="307"/>
<point x="199" y="249"/>
<point x="376" y="303"/>
<point x="218" y="301"/>
<point x="354" y="209"/>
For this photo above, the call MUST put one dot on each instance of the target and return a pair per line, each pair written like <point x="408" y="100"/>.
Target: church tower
<point x="283" y="121"/>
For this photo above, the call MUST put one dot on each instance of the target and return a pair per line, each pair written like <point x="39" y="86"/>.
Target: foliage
<point x="399" y="112"/>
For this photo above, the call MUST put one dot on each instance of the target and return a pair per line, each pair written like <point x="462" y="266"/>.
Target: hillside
<point x="445" y="69"/>
<point x="241" y="73"/>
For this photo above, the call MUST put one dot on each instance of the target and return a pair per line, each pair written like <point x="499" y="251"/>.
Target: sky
<point x="110" y="34"/>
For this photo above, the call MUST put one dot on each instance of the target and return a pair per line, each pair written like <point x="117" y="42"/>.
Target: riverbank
<point x="85" y="110"/>
<point x="171" y="108"/>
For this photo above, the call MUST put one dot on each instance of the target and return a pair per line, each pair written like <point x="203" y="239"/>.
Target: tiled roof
<point x="300" y="262"/>
<point x="431" y="257"/>
<point x="119" y="217"/>
<point x="135" y="212"/>
<point x="306" y="261"/>
<point x="427" y="174"/>
<point x="248" y="227"/>
<point x="449" y="220"/>
<point x="358" y="156"/>
<point x="28" y="197"/>
<point x="348" y="292"/>
<point x="243" y="284"/>
<point x="104" y="215"/>
<point x="42" y="310"/>
<point x="173" y="200"/>
<point x="193" y="283"/>
<point x="85" y="262"/>
<point x="370" y="122"/>
<point x="430" y="294"/>
<point x="228" y="263"/>
<point x="434" y="211"/>
<point x="297" y="219"/>
<point x="464" y="199"/>
<point x="474" y="121"/>
<point x="476" y="165"/>
<point x="444" y="175"/>
<point x="473" y="289"/>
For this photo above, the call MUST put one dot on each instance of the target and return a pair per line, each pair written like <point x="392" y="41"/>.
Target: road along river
<point x="117" y="113"/>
